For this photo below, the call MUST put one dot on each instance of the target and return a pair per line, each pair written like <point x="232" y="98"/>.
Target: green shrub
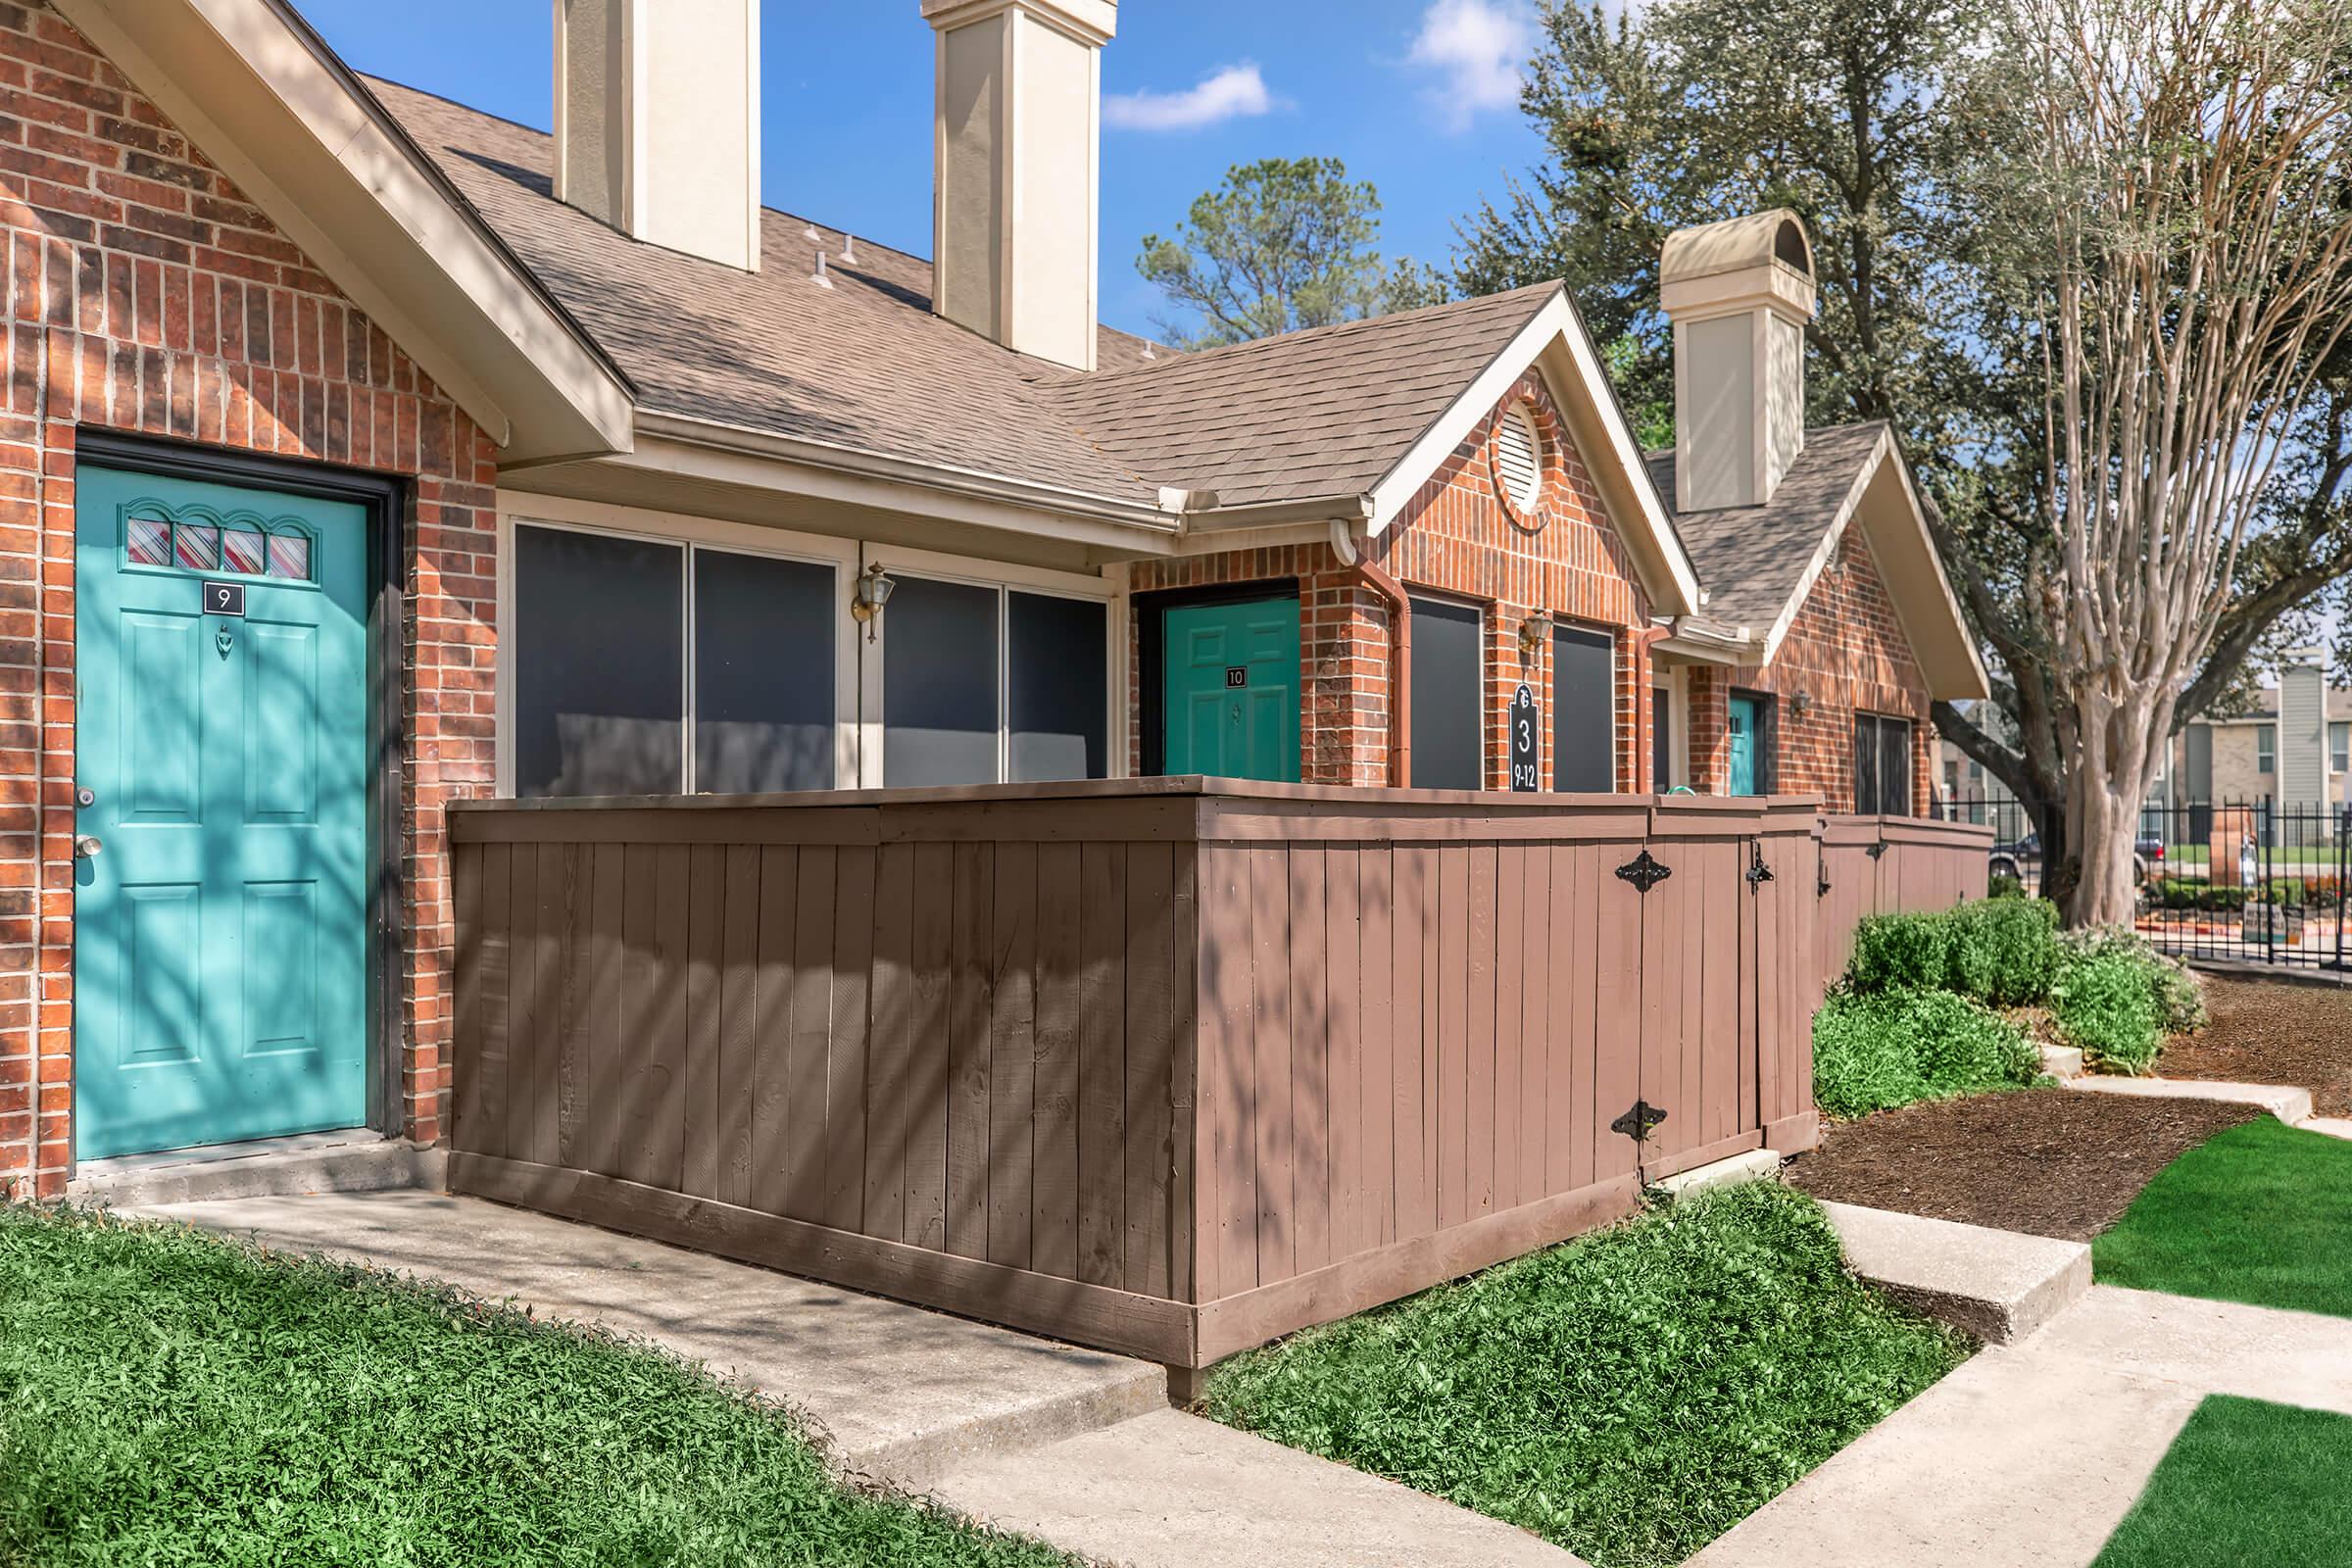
<point x="2005" y="886"/>
<point x="2004" y="951"/>
<point x="1900" y="953"/>
<point x="2179" y="999"/>
<point x="1886" y="1049"/>
<point x="2106" y="1004"/>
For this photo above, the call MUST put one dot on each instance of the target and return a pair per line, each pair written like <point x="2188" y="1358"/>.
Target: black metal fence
<point x="2252" y="881"/>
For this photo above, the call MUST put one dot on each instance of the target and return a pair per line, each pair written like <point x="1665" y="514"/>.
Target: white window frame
<point x="2266" y="745"/>
<point x="1003" y="577"/>
<point x="684" y="532"/>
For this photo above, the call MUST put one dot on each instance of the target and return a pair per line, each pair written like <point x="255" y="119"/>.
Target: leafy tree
<point x="1282" y="244"/>
<point x="1873" y="122"/>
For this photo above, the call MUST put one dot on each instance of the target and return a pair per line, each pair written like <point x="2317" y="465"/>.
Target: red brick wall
<point x="1847" y="653"/>
<point x="145" y="294"/>
<point x="1461" y="539"/>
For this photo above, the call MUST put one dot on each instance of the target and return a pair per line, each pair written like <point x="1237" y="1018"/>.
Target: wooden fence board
<point x="1133" y="1066"/>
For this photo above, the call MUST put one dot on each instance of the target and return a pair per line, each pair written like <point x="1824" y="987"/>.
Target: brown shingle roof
<point x="1304" y="417"/>
<point x="1752" y="559"/>
<point x="867" y="365"/>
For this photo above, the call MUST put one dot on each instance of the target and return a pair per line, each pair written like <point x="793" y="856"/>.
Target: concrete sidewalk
<point x="2029" y="1456"/>
<point x="1074" y="1447"/>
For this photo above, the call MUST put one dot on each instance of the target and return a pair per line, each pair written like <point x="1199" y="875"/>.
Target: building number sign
<point x="224" y="598"/>
<point x="1527" y="771"/>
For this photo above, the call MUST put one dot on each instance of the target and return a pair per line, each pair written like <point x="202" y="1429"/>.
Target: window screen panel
<point x="1866" y="764"/>
<point x="1059" y="681"/>
<point x="1447" y="706"/>
<point x="765" y="675"/>
<point x="1895" y="766"/>
<point x="600" y="664"/>
<point x="1584" y="711"/>
<point x="939" y="684"/>
<point x="1661" y="739"/>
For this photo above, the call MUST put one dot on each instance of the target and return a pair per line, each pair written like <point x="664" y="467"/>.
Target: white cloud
<point x="1479" y="48"/>
<point x="1230" y="93"/>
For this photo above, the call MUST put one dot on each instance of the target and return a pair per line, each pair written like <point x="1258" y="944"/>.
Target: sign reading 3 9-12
<point x="1527" y="768"/>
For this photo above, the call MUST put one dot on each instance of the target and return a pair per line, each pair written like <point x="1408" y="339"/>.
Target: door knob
<point x="86" y="846"/>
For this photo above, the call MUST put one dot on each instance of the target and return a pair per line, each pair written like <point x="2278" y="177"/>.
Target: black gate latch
<point x="1758" y="873"/>
<point x="1640" y="1122"/>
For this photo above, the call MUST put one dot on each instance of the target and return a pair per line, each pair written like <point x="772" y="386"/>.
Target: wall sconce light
<point x="1533" y="631"/>
<point x="866" y="598"/>
<point x="1801" y="703"/>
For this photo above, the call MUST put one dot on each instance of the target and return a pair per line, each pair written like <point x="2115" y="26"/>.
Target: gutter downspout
<point x="1400" y="651"/>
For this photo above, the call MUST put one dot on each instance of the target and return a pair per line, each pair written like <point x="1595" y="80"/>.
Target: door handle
<point x="87" y="847"/>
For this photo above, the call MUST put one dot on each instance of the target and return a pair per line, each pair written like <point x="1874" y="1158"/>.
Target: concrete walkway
<point x="2029" y="1456"/>
<point x="2290" y="1104"/>
<point x="1074" y="1447"/>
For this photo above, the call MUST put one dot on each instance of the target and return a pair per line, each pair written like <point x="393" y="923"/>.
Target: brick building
<point x="366" y="451"/>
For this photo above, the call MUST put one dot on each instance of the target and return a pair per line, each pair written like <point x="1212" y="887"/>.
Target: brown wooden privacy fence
<point x="1165" y="1066"/>
<point x="1892" y="865"/>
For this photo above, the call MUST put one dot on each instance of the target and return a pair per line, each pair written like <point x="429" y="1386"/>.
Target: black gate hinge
<point x="1645" y="872"/>
<point x="1640" y="1122"/>
<point x="1758" y="873"/>
<point x="1878" y="849"/>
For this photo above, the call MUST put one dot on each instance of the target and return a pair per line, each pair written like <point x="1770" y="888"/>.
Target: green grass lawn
<point x="2259" y="1214"/>
<point x="1629" y="1395"/>
<point x="2245" y="1484"/>
<point x="168" y="1397"/>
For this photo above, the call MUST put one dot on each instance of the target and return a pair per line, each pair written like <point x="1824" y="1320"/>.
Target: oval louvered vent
<point x="1519" y="458"/>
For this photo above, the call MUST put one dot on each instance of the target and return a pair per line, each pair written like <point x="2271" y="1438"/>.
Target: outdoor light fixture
<point x="1531" y="632"/>
<point x="1801" y="703"/>
<point x="866" y="600"/>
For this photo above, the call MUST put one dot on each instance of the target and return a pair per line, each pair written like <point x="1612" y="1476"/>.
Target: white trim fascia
<point x="1943" y="581"/>
<point x="828" y="472"/>
<point x="1826" y="547"/>
<point x="283" y="63"/>
<point x="1706" y="648"/>
<point x="1556" y="323"/>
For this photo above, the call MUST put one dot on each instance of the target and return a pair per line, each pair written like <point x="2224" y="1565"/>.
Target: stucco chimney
<point x="658" y="120"/>
<point x="1739" y="293"/>
<point x="1017" y="147"/>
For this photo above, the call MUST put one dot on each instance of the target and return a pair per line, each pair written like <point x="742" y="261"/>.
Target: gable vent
<point x="1519" y="458"/>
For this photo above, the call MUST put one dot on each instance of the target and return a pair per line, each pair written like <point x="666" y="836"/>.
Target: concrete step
<point x="1756" y="1166"/>
<point x="2062" y="1063"/>
<point x="267" y="1167"/>
<point x="2290" y="1104"/>
<point x="1174" y="1491"/>
<point x="897" y="1393"/>
<point x="1997" y="1285"/>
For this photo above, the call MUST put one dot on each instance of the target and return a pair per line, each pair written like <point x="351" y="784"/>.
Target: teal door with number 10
<point x="1231" y="703"/>
<point x="221" y="859"/>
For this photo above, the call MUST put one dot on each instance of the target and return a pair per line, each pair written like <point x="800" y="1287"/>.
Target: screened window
<point x="1584" y="711"/>
<point x="981" y="684"/>
<point x="2266" y="749"/>
<point x="1447" y="709"/>
<point x="1058" y="687"/>
<point x="2339" y="748"/>
<point x="763" y="674"/>
<point x="1882" y="766"/>
<point x="607" y="630"/>
<point x="600" y="664"/>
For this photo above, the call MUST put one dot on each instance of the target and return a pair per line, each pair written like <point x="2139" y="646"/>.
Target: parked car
<point x="2020" y="856"/>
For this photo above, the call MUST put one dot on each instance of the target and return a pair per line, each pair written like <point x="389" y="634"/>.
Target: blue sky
<point x="1418" y="96"/>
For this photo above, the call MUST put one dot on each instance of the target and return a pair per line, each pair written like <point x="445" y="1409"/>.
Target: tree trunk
<point x="2104" y="794"/>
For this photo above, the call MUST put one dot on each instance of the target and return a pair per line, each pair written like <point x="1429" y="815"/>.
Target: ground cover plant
<point x="2245" y="1482"/>
<point x="1628" y="1396"/>
<point x="168" y="1397"/>
<point x="2257" y="1214"/>
<point x="1891" y="1048"/>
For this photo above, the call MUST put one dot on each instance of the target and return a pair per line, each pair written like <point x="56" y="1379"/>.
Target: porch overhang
<point x="253" y="86"/>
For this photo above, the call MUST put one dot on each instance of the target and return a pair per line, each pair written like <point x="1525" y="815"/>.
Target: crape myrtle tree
<point x="2165" y="204"/>
<point x="1876" y="121"/>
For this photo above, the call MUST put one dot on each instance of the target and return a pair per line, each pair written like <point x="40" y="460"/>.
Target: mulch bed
<point x="2273" y="1032"/>
<point x="2044" y="1161"/>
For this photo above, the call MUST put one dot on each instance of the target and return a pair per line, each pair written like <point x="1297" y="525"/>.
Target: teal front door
<point x="1231" y="704"/>
<point x="220" y="873"/>
<point x="1746" y="719"/>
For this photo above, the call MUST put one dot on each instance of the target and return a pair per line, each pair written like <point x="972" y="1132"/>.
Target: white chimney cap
<point x="1094" y="21"/>
<point x="1759" y="239"/>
